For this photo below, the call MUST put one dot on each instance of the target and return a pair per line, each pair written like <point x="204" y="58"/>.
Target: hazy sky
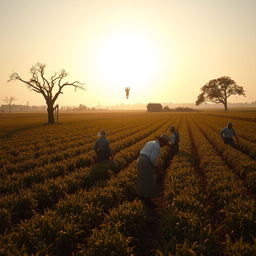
<point x="164" y="50"/>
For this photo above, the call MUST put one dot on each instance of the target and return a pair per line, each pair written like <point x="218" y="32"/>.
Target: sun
<point x="127" y="60"/>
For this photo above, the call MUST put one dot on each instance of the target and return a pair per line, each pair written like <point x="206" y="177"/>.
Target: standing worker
<point x="174" y="141"/>
<point x="146" y="168"/>
<point x="227" y="135"/>
<point x="102" y="148"/>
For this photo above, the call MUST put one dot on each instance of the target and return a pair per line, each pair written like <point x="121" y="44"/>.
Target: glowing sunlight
<point x="127" y="59"/>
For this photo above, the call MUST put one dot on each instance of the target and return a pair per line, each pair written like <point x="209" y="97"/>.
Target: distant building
<point x="154" y="107"/>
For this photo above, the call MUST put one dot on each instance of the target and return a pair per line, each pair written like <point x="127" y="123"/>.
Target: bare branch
<point x="39" y="84"/>
<point x="9" y="100"/>
<point x="13" y="76"/>
<point x="32" y="84"/>
<point x="41" y="70"/>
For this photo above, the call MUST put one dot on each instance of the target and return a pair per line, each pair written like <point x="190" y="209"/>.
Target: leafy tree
<point x="166" y="109"/>
<point x="219" y="90"/>
<point x="49" y="88"/>
<point x="8" y="101"/>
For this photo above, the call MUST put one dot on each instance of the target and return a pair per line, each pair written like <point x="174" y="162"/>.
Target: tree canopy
<point x="219" y="90"/>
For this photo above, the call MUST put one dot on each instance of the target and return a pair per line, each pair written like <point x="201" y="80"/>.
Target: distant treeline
<point x="22" y="108"/>
<point x="179" y="109"/>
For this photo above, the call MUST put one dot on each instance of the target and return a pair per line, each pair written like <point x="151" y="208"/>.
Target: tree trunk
<point x="226" y="106"/>
<point x="50" y="111"/>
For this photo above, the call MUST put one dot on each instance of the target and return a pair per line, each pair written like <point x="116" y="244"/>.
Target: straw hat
<point x="101" y="133"/>
<point x="163" y="137"/>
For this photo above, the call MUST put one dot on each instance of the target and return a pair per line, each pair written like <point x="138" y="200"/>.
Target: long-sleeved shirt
<point x="152" y="150"/>
<point x="227" y="132"/>
<point x="175" y="138"/>
<point x="102" y="144"/>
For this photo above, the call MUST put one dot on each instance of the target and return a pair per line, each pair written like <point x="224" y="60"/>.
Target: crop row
<point x="242" y="164"/>
<point x="55" y="151"/>
<point x="244" y="129"/>
<point x="235" y="207"/>
<point x="56" y="142"/>
<point x="242" y="115"/>
<point x="45" y="143"/>
<point x="15" y="182"/>
<point x="65" y="155"/>
<point x="43" y="134"/>
<point x="71" y="206"/>
<point x="83" y="222"/>
<point x="46" y="194"/>
<point x="185" y="228"/>
<point x="247" y="140"/>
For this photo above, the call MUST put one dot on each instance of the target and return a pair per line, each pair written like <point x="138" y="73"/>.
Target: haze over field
<point x="164" y="50"/>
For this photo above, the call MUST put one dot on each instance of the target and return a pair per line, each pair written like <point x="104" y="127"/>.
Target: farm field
<point x="54" y="200"/>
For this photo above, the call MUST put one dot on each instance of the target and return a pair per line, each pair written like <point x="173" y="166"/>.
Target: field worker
<point x="227" y="135"/>
<point x="102" y="148"/>
<point x="174" y="141"/>
<point x="146" y="168"/>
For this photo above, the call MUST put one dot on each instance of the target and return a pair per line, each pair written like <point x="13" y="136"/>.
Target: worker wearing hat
<point x="102" y="147"/>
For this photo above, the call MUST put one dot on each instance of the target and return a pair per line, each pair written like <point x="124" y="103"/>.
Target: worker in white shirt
<point x="174" y="141"/>
<point x="146" y="168"/>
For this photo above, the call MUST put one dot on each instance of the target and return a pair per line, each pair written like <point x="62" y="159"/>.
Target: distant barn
<point x="154" y="107"/>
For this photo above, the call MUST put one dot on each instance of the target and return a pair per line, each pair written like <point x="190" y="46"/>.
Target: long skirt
<point x="228" y="141"/>
<point x="146" y="178"/>
<point x="101" y="156"/>
<point x="174" y="149"/>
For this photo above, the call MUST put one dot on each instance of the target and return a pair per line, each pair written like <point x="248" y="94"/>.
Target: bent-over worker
<point x="227" y="135"/>
<point x="146" y="167"/>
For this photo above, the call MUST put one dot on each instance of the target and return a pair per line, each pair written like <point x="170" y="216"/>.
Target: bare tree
<point x="49" y="88"/>
<point x="219" y="90"/>
<point x="8" y="101"/>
